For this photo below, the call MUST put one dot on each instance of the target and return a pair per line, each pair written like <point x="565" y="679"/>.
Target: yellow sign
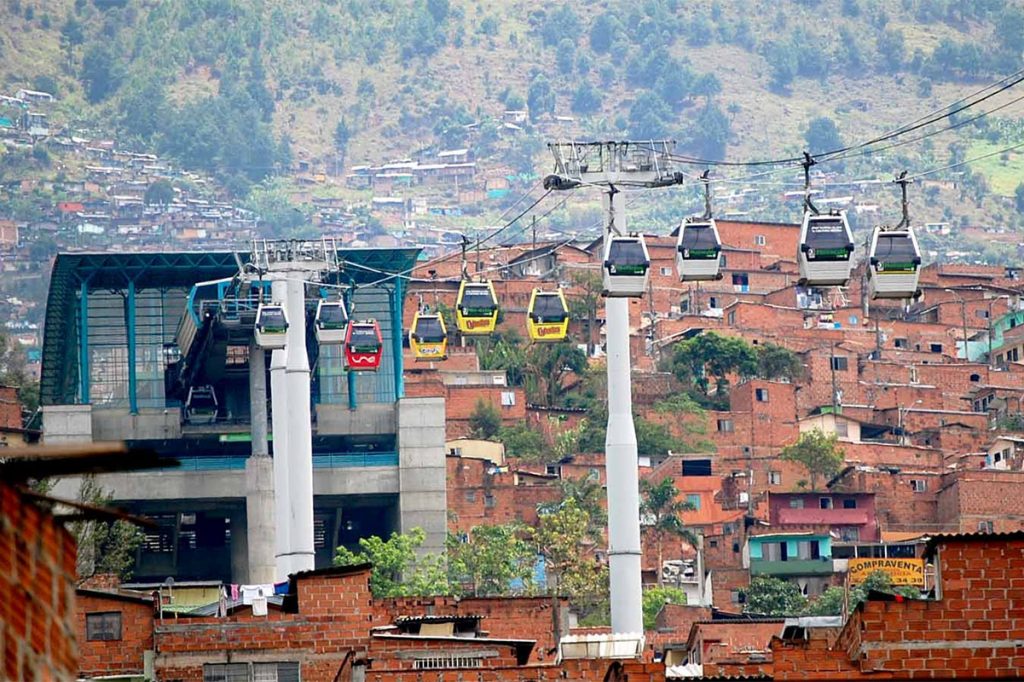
<point x="902" y="571"/>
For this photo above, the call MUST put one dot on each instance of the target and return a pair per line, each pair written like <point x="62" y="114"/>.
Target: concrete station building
<point x="128" y="336"/>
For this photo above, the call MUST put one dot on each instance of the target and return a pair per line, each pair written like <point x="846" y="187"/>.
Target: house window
<point x="901" y="343"/>
<point x="725" y="426"/>
<point x="796" y="503"/>
<point x="761" y="394"/>
<point x="935" y="347"/>
<point x="774" y="478"/>
<point x="918" y="485"/>
<point x="445" y="661"/>
<point x="226" y="672"/>
<point x="508" y="398"/>
<point x="740" y="279"/>
<point x="713" y="544"/>
<point x="275" y="672"/>
<point x="684" y="305"/>
<point x="983" y="313"/>
<point x="470" y="496"/>
<point x="713" y="301"/>
<point x="736" y="596"/>
<point x="728" y="529"/>
<point x="693" y="500"/>
<point x="840" y="363"/>
<point x="825" y="502"/>
<point x="732" y="318"/>
<point x="760" y="240"/>
<point x="842" y="428"/>
<point x="850" y="504"/>
<point x="721" y="260"/>
<point x="986" y="527"/>
<point x="665" y="272"/>
<point x="975" y="378"/>
<point x="849" y="534"/>
<point x="103" y="627"/>
<point x="488" y="500"/>
<point x="853" y="319"/>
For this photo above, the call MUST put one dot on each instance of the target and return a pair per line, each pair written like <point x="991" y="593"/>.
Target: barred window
<point x="103" y="627"/>
<point x="443" y="661"/>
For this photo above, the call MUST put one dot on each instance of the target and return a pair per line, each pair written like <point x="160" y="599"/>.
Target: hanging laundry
<point x="250" y="591"/>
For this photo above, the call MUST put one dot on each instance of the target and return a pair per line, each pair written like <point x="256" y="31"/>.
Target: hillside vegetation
<point x="244" y="88"/>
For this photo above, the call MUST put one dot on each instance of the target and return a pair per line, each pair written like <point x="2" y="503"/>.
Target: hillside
<point x="244" y="89"/>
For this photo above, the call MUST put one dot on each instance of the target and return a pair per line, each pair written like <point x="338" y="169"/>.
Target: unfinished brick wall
<point x="10" y="408"/>
<point x="123" y="656"/>
<point x="971" y="498"/>
<point x="37" y="578"/>
<point x="972" y="630"/>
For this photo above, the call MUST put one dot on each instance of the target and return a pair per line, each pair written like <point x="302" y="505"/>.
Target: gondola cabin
<point x="547" y="318"/>
<point x="826" y="250"/>
<point x="476" y="310"/>
<point x="364" y="346"/>
<point x="698" y="250"/>
<point x="331" y="324"/>
<point x="428" y="337"/>
<point x="201" y="406"/>
<point x="627" y="266"/>
<point x="894" y="264"/>
<point x="271" y="326"/>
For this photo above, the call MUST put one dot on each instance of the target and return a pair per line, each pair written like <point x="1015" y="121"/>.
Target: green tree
<point x="707" y="360"/>
<point x="278" y="214"/>
<point x="559" y="23"/>
<point x="584" y="301"/>
<point x="654" y="439"/>
<point x="562" y="539"/>
<point x="522" y="441"/>
<point x="540" y="97"/>
<point x="549" y="364"/>
<point x="602" y="32"/>
<point x="778" y="362"/>
<point x="818" y="452"/>
<point x="586" y="493"/>
<point x="485" y="420"/>
<point x="586" y="99"/>
<point x="661" y="515"/>
<point x="649" y="116"/>
<point x="891" y="48"/>
<point x="491" y="560"/>
<point x="830" y="602"/>
<point x="782" y="59"/>
<point x="1018" y="198"/>
<point x="102" y="72"/>
<point x="822" y="135"/>
<point x="398" y="571"/>
<point x="655" y="598"/>
<point x="103" y="546"/>
<point x="770" y="596"/>
<point x="159" y="192"/>
<point x="710" y="133"/>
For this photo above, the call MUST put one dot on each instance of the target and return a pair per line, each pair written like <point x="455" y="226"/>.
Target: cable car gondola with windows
<point x="271" y="326"/>
<point x="428" y="337"/>
<point x="201" y="406"/>
<point x="627" y="266"/>
<point x="331" y="324"/>
<point x="547" y="318"/>
<point x="894" y="264"/>
<point x="826" y="250"/>
<point x="476" y="310"/>
<point x="364" y="346"/>
<point x="698" y="251"/>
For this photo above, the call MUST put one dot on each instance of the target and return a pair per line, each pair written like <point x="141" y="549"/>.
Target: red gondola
<point x="364" y="346"/>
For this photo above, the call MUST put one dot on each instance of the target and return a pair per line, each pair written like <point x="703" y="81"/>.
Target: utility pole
<point x="608" y="164"/>
<point x="533" y="228"/>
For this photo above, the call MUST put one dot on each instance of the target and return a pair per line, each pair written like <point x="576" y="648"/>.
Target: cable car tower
<point x="615" y="165"/>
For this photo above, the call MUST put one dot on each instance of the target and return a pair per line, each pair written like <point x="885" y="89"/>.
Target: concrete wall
<point x="367" y="419"/>
<point x="421" y="458"/>
<point x="148" y="424"/>
<point x="67" y="424"/>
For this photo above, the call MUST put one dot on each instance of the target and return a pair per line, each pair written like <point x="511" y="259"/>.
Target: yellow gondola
<point x="547" y="318"/>
<point x="428" y="337"/>
<point x="476" y="310"/>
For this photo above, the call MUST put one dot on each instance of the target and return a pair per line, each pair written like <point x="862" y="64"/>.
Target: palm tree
<point x="660" y="512"/>
<point x="586" y="493"/>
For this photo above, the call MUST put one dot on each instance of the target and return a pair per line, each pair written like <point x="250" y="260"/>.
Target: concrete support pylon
<point x="279" y="417"/>
<point x="300" y="428"/>
<point x="259" y="478"/>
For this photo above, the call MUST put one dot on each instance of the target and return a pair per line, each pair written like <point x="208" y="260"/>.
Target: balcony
<point x="823" y="517"/>
<point x="791" y="568"/>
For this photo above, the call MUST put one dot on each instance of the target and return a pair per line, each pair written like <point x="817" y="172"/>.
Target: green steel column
<point x="83" y="342"/>
<point x="350" y="377"/>
<point x="133" y="400"/>
<point x="396" y="338"/>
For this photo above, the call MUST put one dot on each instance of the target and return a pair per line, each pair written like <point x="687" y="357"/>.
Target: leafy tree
<point x="708" y="359"/>
<point x="586" y="99"/>
<point x="272" y="202"/>
<point x="602" y="32"/>
<point x="485" y="420"/>
<point x="439" y="9"/>
<point x="342" y="135"/>
<point x="586" y="493"/>
<point x="711" y="133"/>
<point x="491" y="560"/>
<point x="778" y="362"/>
<point x="649" y="116"/>
<point x="540" y="98"/>
<point x="1018" y="198"/>
<point x="830" y="602"/>
<point x="661" y="515"/>
<point x="45" y="83"/>
<point x="522" y="441"/>
<point x="71" y="32"/>
<point x="653" y="439"/>
<point x="818" y="452"/>
<point x="558" y="24"/>
<point x="102" y="72"/>
<point x="565" y="55"/>
<point x="782" y="58"/>
<point x="562" y="538"/>
<point x="822" y="135"/>
<point x="160" y="192"/>
<point x="397" y="569"/>
<point x="103" y="546"/>
<point x="769" y="596"/>
<point x="143" y="108"/>
<point x="548" y="365"/>
<point x="503" y="352"/>
<point x="655" y="598"/>
<point x="584" y="301"/>
<point x="891" y="47"/>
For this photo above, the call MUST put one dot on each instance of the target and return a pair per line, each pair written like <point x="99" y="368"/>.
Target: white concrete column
<point x="422" y="493"/>
<point x="300" y="428"/>
<point x="279" y="416"/>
